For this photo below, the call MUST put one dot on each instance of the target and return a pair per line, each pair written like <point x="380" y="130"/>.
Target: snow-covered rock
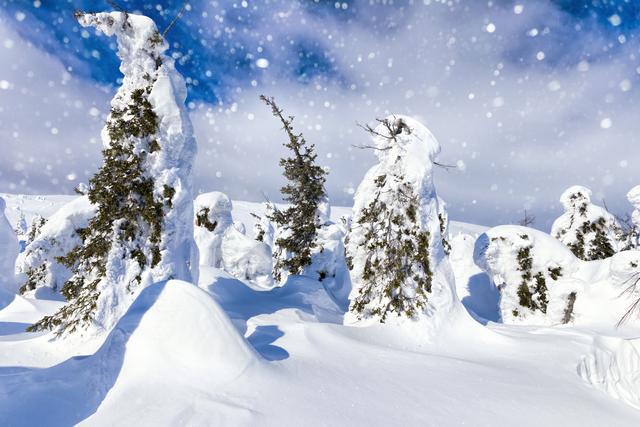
<point x="588" y="230"/>
<point x="8" y="253"/>
<point x="397" y="198"/>
<point x="57" y="237"/>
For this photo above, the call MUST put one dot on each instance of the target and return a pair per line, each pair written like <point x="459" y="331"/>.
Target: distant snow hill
<point x="225" y="353"/>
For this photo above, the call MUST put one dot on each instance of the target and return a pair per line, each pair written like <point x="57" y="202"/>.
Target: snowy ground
<point x="176" y="358"/>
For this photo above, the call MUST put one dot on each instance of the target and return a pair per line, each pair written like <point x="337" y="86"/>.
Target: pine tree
<point x="142" y="231"/>
<point x="588" y="230"/>
<point x="298" y="224"/>
<point x="397" y="240"/>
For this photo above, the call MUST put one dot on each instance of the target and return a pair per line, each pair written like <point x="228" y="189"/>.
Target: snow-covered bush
<point x="395" y="246"/>
<point x="212" y="219"/>
<point x="634" y="235"/>
<point x="8" y="252"/>
<point x="143" y="229"/>
<point x="223" y="244"/>
<point x="297" y="225"/>
<point x="588" y="230"/>
<point x="246" y="258"/>
<point x="56" y="238"/>
<point x="533" y="271"/>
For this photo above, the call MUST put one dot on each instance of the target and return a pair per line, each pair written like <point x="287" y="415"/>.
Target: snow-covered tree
<point x="143" y="229"/>
<point x="298" y="224"/>
<point x="395" y="246"/>
<point x="533" y="272"/>
<point x="8" y="253"/>
<point x="53" y="239"/>
<point x="264" y="229"/>
<point x="588" y="230"/>
<point x="212" y="219"/>
<point x="634" y="234"/>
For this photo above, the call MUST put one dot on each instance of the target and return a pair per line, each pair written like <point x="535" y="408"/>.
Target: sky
<point x="526" y="97"/>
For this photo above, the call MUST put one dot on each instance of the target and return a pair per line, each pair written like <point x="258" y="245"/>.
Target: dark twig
<point x="175" y="19"/>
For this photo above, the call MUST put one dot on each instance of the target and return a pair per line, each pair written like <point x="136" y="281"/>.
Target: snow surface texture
<point x="575" y="227"/>
<point x="8" y="254"/>
<point x="175" y="359"/>
<point x="56" y="238"/>
<point x="515" y="256"/>
<point x="222" y="244"/>
<point x="410" y="155"/>
<point x="143" y="64"/>
<point x="634" y="198"/>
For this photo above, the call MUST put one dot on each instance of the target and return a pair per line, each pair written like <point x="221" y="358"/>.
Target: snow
<point x="8" y="254"/>
<point x="579" y="214"/>
<point x="148" y="70"/>
<point x="216" y="207"/>
<point x="599" y="286"/>
<point x="634" y="198"/>
<point x="231" y="353"/>
<point x="55" y="239"/>
<point x="408" y="154"/>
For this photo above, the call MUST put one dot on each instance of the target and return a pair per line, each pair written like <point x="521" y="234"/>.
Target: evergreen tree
<point x="396" y="245"/>
<point x="298" y="224"/>
<point x="588" y="230"/>
<point x="142" y="231"/>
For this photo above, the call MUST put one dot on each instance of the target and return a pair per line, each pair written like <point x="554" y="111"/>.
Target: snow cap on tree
<point x="399" y="268"/>
<point x="588" y="230"/>
<point x="8" y="252"/>
<point x="213" y="218"/>
<point x="143" y="229"/>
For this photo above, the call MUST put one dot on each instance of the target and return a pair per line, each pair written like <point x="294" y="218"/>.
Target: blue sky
<point x="530" y="96"/>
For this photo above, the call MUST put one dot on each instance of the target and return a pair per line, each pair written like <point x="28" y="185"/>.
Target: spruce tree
<point x="142" y="231"/>
<point x="298" y="224"/>
<point x="396" y="247"/>
<point x="588" y="230"/>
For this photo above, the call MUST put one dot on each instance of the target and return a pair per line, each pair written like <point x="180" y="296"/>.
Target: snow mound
<point x="614" y="367"/>
<point x="56" y="238"/>
<point x="173" y="337"/>
<point x="246" y="258"/>
<point x="8" y="253"/>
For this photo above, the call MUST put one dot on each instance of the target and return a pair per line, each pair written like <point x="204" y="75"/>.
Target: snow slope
<point x="178" y="357"/>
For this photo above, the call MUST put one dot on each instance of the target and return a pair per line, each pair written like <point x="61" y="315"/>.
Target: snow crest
<point x="614" y="368"/>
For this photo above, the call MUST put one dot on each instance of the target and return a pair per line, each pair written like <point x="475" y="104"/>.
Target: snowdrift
<point x="173" y="336"/>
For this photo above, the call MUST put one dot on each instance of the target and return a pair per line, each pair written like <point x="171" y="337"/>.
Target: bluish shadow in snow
<point x="71" y="391"/>
<point x="483" y="299"/>
<point x="263" y="337"/>
<point x="299" y="292"/>
<point x="10" y="328"/>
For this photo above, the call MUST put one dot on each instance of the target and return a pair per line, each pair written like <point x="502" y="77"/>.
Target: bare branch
<point x="175" y="19"/>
